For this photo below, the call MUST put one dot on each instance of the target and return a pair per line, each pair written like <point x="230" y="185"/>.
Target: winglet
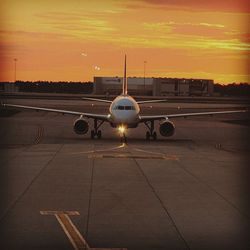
<point x="125" y="83"/>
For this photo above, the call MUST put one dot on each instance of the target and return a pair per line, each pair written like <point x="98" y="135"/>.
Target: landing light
<point x="121" y="129"/>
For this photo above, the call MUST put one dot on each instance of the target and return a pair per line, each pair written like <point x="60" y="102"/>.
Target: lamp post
<point x="96" y="68"/>
<point x="144" y="63"/>
<point x="15" y="60"/>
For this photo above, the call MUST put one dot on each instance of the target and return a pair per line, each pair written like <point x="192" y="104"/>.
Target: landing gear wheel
<point x="123" y="139"/>
<point x="99" y="134"/>
<point x="154" y="136"/>
<point x="149" y="136"/>
<point x="92" y="134"/>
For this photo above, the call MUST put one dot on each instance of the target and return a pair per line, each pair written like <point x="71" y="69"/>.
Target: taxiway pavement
<point x="183" y="192"/>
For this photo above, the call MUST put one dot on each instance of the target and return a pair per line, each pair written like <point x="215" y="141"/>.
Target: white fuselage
<point x="124" y="110"/>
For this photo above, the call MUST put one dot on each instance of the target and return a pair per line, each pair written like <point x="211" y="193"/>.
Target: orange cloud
<point x="177" y="38"/>
<point x="201" y="5"/>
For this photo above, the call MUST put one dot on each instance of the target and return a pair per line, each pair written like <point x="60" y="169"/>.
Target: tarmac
<point x="60" y="190"/>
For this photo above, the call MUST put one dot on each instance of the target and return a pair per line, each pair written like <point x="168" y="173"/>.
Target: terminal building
<point x="154" y="86"/>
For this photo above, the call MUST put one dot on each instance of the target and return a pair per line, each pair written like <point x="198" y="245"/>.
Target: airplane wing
<point x="108" y="101"/>
<point x="145" y="118"/>
<point x="151" y="101"/>
<point x="87" y="115"/>
<point x="96" y="100"/>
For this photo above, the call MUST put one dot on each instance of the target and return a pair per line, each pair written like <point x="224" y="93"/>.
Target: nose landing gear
<point x="150" y="133"/>
<point x="123" y="138"/>
<point x="122" y="132"/>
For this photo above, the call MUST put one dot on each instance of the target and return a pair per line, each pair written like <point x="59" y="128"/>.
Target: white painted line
<point x="72" y="233"/>
<point x="75" y="237"/>
<point x="101" y="150"/>
<point x="54" y="212"/>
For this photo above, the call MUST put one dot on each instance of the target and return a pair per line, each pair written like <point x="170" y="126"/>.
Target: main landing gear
<point x="150" y="133"/>
<point x="123" y="138"/>
<point x="95" y="132"/>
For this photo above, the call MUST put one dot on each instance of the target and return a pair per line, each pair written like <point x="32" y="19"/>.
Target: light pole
<point x="144" y="77"/>
<point x="96" y="68"/>
<point x="15" y="60"/>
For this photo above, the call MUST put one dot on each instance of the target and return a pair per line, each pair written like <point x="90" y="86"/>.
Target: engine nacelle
<point x="167" y="128"/>
<point x="81" y="126"/>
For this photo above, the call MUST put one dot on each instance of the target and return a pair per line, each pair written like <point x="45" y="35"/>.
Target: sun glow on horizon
<point x="75" y="40"/>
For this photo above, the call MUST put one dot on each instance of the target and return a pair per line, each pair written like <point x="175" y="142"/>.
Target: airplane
<point x="124" y="113"/>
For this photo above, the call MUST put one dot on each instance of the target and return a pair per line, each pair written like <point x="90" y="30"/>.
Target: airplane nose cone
<point x="125" y="117"/>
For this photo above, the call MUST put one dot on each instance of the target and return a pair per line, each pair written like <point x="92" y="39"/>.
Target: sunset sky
<point x="74" y="40"/>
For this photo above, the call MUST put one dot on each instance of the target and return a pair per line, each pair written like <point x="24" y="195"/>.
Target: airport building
<point x="154" y="86"/>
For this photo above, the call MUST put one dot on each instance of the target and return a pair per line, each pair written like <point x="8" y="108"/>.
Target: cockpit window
<point x="124" y="107"/>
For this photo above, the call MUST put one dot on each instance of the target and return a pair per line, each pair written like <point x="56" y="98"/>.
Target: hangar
<point x="154" y="86"/>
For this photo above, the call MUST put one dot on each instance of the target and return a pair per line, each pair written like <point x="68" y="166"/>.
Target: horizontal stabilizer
<point x="151" y="101"/>
<point x="96" y="100"/>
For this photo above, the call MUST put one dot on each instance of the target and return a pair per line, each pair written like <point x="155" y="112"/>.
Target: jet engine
<point x="81" y="126"/>
<point x="167" y="128"/>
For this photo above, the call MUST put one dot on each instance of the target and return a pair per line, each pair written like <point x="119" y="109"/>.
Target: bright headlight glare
<point x="121" y="129"/>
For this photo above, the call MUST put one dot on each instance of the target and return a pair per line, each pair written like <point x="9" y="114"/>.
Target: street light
<point x="95" y="68"/>
<point x="144" y="77"/>
<point x="15" y="60"/>
<point x="84" y="54"/>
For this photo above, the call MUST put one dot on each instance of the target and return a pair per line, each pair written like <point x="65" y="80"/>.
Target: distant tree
<point x="233" y="89"/>
<point x="56" y="87"/>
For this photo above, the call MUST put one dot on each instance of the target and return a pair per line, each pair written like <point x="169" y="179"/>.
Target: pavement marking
<point x="129" y="156"/>
<point x="101" y="150"/>
<point x="52" y="212"/>
<point x="69" y="228"/>
<point x="150" y="155"/>
<point x="148" y="152"/>
<point x="39" y="135"/>
<point x="71" y="231"/>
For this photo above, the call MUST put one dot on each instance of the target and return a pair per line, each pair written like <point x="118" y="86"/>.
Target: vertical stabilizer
<point x="125" y="83"/>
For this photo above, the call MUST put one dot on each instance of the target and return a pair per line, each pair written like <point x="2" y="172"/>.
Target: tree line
<point x="232" y="89"/>
<point x="55" y="87"/>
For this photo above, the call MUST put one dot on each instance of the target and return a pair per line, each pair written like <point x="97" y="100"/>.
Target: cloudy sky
<point x="72" y="40"/>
